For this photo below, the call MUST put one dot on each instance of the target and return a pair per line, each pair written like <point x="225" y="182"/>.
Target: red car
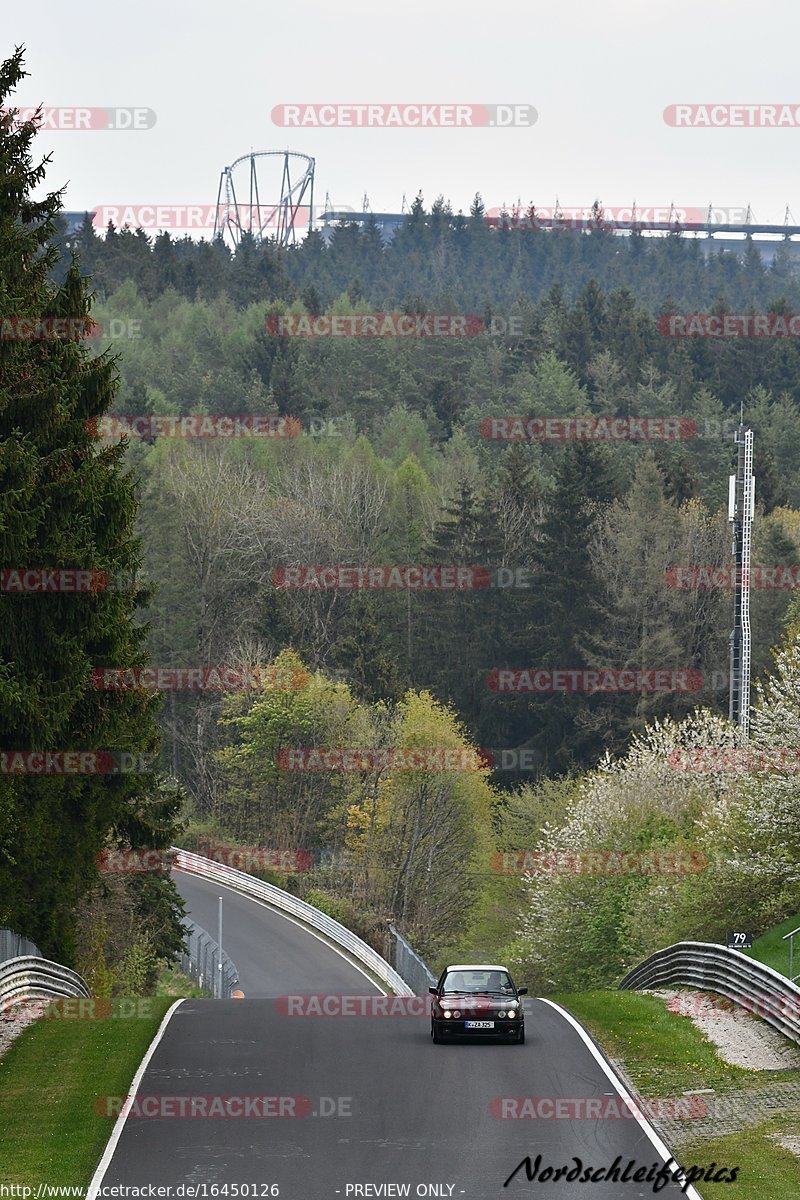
<point x="477" y="1000"/>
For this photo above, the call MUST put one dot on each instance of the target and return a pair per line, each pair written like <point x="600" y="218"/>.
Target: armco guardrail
<point x="32" y="978"/>
<point x="342" y="937"/>
<point x="710" y="967"/>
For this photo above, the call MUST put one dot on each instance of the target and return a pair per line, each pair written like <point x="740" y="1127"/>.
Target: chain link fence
<point x="200" y="961"/>
<point x="13" y="945"/>
<point x="409" y="965"/>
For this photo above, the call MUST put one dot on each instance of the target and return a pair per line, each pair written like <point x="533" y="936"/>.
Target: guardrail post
<point x="219" y="950"/>
<point x="790" y="936"/>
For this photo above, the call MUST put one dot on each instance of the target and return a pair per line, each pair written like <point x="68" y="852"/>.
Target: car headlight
<point x="502" y="1013"/>
<point x="446" y="1012"/>
<point x="456" y="1013"/>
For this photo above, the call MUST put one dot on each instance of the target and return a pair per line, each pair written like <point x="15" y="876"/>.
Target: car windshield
<point x="478" y="981"/>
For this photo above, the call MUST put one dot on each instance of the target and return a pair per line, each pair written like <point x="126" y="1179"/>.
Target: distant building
<point x="74" y="220"/>
<point x="387" y="223"/>
<point x="767" y="240"/>
<point x="767" y="248"/>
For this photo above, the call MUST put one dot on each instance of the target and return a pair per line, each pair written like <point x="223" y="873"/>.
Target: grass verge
<point x="773" y="951"/>
<point x="765" y="1168"/>
<point x="50" y="1079"/>
<point x="663" y="1054"/>
<point x="172" y="982"/>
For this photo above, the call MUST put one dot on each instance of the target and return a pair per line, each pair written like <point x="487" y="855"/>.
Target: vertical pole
<point x="791" y="955"/>
<point x="217" y="222"/>
<point x="740" y="515"/>
<point x="174" y="723"/>
<point x="219" y="941"/>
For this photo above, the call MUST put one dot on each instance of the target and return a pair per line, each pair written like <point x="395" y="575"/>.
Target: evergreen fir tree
<point x="65" y="502"/>
<point x="567" y="608"/>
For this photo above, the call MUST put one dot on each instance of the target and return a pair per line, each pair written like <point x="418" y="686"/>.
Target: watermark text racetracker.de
<point x="364" y="758"/>
<point x="75" y="762"/>
<point x="196" y="218"/>
<point x="65" y="580"/>
<point x="150" y="426"/>
<point x="345" y="577"/>
<point x="356" y="1006"/>
<point x="730" y="325"/>
<point x="77" y="118"/>
<point x="241" y="858"/>
<point x="193" y="425"/>
<point x="596" y="1108"/>
<point x="421" y="577"/>
<point x="759" y="577"/>
<point x="707" y="1004"/>
<point x="610" y="217"/>
<point x="224" y="1107"/>
<point x="199" y="679"/>
<point x="738" y="760"/>
<point x="48" y="329"/>
<point x="390" y="325"/>
<point x="733" y="116"/>
<point x="78" y="1008"/>
<point x="592" y="681"/>
<point x="587" y="429"/>
<point x="403" y="116"/>
<point x="141" y="1191"/>
<point x="331" y="1004"/>
<point x="598" y="862"/>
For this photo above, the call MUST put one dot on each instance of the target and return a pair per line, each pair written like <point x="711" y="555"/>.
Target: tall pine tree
<point x="567" y="604"/>
<point x="65" y="502"/>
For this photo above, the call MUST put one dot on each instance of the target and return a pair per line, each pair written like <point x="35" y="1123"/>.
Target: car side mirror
<point x="522" y="991"/>
<point x="433" y="991"/>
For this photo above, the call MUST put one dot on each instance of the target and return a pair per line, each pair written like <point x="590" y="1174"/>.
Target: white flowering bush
<point x="710" y="828"/>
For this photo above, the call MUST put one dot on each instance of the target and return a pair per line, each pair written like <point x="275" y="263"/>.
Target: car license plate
<point x="479" y="1024"/>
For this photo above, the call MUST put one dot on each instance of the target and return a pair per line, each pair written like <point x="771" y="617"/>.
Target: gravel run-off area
<point x="742" y="1039"/>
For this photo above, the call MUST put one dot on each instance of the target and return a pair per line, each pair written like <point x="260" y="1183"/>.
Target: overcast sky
<point x="598" y="72"/>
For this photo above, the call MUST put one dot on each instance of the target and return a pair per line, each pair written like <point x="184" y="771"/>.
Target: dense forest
<point x="439" y="257"/>
<point x="574" y="544"/>
<point x="390" y="465"/>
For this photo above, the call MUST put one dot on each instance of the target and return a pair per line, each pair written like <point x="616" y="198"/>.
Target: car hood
<point x="470" y="1000"/>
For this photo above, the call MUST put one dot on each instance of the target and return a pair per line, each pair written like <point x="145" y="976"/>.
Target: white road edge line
<point x="286" y="917"/>
<point x="116" y="1132"/>
<point x="660" y="1146"/>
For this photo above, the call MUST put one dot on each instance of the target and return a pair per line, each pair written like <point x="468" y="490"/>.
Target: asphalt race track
<point x="275" y="957"/>
<point x="368" y="1101"/>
